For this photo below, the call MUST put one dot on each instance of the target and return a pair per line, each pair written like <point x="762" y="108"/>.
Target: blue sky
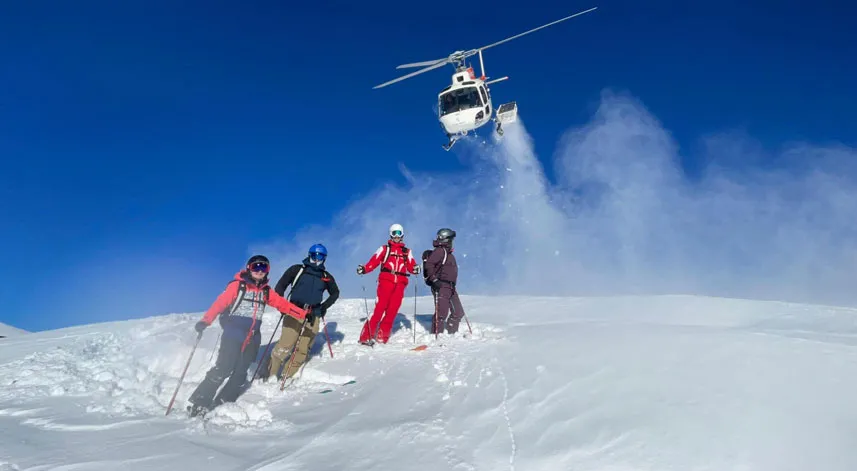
<point x="148" y="145"/>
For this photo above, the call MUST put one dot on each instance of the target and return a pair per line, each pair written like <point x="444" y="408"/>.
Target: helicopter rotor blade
<point x="421" y="64"/>
<point x="403" y="77"/>
<point x="536" y="29"/>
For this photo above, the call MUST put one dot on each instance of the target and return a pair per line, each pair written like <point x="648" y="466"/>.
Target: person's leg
<point x="370" y="328"/>
<point x="456" y="315"/>
<point x="393" y="305"/>
<point x="304" y="342"/>
<point x="229" y="352"/>
<point x="284" y="346"/>
<point x="232" y="388"/>
<point x="442" y="298"/>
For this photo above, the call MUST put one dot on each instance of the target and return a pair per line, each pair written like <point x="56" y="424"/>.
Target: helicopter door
<point x="485" y="100"/>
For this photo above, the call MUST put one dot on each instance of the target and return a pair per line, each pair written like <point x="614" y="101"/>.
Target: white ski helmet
<point x="396" y="230"/>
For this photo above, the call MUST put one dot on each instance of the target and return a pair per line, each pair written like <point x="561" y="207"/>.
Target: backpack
<point x="404" y="255"/>
<point x="295" y="282"/>
<point x="426" y="255"/>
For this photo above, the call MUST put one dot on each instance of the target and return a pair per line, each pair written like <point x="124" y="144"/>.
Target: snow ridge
<point x="622" y="383"/>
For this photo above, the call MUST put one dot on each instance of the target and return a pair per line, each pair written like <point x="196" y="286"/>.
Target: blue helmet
<point x="318" y="252"/>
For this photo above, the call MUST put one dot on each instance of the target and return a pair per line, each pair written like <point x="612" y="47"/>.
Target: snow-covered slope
<point x="626" y="383"/>
<point x="9" y="331"/>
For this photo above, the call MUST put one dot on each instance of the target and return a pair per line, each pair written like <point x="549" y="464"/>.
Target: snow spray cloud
<point x="622" y="217"/>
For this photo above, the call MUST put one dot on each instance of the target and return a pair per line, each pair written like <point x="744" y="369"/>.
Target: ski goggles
<point x="397" y="233"/>
<point x="317" y="256"/>
<point x="260" y="266"/>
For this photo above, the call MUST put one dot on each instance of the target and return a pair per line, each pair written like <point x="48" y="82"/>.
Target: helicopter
<point x="465" y="104"/>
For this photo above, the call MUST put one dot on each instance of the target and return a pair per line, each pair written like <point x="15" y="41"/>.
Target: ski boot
<point x="195" y="410"/>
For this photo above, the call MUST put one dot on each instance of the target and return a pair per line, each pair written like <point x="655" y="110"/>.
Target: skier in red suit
<point x="397" y="264"/>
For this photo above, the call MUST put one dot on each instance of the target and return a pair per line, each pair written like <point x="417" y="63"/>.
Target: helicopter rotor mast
<point x="458" y="57"/>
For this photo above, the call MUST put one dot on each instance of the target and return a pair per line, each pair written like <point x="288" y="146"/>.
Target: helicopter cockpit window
<point x="459" y="99"/>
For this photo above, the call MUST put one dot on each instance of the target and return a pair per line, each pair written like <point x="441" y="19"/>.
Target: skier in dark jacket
<point x="309" y="281"/>
<point x="240" y="307"/>
<point x="441" y="273"/>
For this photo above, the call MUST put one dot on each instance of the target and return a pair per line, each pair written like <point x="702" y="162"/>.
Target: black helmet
<point x="258" y="258"/>
<point x="445" y="234"/>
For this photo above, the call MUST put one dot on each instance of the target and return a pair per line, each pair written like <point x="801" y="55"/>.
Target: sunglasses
<point x="260" y="266"/>
<point x="396" y="233"/>
<point x="317" y="256"/>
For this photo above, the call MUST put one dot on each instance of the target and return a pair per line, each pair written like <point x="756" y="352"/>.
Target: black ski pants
<point x="446" y="298"/>
<point x="232" y="363"/>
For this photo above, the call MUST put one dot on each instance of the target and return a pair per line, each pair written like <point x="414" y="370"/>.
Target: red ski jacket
<point x="252" y="301"/>
<point x="396" y="261"/>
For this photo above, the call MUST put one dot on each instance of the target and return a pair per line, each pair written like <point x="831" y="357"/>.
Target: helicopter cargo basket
<point x="507" y="112"/>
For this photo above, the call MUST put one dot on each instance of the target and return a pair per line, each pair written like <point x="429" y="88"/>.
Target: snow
<point x="544" y="383"/>
<point x="9" y="331"/>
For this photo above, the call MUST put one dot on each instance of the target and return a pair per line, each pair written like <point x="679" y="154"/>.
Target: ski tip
<point x="420" y="348"/>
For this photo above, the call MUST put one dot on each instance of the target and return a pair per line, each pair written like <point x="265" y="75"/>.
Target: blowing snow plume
<point x="622" y="217"/>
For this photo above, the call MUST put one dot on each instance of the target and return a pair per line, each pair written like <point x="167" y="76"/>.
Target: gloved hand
<point x="200" y="326"/>
<point x="361" y="269"/>
<point x="297" y="312"/>
<point x="417" y="269"/>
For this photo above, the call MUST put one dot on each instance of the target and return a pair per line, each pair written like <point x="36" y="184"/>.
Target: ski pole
<point x="436" y="317"/>
<point x="181" y="379"/>
<point x="270" y="341"/>
<point x="366" y="324"/>
<point x="366" y="306"/>
<point x="327" y="337"/>
<point x="455" y="291"/>
<point x="414" y="323"/>
<point x="216" y="344"/>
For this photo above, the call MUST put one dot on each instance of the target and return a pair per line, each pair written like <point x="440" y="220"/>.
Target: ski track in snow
<point x="508" y="420"/>
<point x="625" y="383"/>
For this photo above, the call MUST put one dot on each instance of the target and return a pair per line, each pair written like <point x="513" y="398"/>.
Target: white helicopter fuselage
<point x="465" y="105"/>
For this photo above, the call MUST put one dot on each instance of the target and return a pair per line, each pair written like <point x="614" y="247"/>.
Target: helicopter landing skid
<point x="449" y="144"/>
<point x="453" y="138"/>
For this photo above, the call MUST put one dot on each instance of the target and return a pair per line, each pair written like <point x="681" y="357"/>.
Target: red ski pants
<point x="387" y="304"/>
